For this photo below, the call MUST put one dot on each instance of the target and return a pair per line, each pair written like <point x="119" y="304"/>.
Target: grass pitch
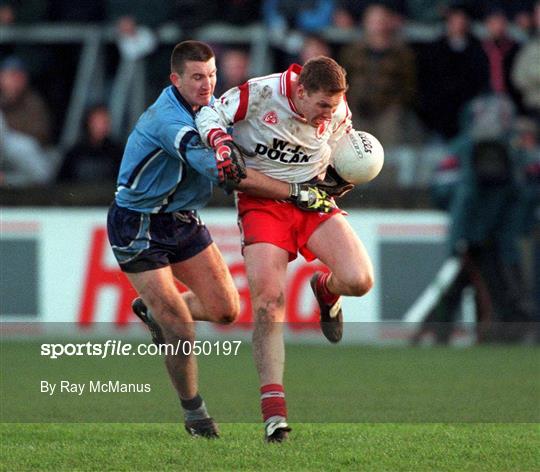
<point x="351" y="408"/>
<point x="390" y="447"/>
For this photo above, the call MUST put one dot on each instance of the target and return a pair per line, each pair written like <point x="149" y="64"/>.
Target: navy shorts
<point x="147" y="241"/>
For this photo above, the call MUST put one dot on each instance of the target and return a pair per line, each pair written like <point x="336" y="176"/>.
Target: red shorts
<point x="280" y="223"/>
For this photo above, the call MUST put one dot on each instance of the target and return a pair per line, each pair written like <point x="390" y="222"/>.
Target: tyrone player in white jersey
<point x="287" y="124"/>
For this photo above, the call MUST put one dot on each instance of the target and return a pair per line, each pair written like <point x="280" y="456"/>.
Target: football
<point x="358" y="157"/>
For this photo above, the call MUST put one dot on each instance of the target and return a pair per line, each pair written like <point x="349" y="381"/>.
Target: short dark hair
<point x="189" y="51"/>
<point x="323" y="73"/>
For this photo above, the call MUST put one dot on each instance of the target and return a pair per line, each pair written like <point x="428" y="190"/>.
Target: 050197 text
<point x="121" y="348"/>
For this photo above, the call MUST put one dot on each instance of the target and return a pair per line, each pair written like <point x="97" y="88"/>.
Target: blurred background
<point x="450" y="88"/>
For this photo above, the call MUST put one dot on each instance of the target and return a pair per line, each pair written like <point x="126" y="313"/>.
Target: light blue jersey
<point x="165" y="167"/>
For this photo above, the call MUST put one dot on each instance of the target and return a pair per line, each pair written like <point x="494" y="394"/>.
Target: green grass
<point x="391" y="447"/>
<point x="351" y="408"/>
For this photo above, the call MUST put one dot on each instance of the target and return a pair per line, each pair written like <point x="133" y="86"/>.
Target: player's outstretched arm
<point x="305" y="196"/>
<point x="260" y="185"/>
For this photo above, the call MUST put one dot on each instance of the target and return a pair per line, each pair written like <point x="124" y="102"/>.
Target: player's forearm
<point x="218" y="117"/>
<point x="208" y="122"/>
<point x="257" y="184"/>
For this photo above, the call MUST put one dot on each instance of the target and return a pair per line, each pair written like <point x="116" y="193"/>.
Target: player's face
<point x="197" y="82"/>
<point x="317" y="107"/>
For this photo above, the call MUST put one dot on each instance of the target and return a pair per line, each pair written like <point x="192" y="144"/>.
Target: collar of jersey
<point x="285" y="86"/>
<point x="183" y="101"/>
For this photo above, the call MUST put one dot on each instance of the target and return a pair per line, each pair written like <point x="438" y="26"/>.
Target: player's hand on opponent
<point x="310" y="198"/>
<point x="333" y="184"/>
<point x="230" y="161"/>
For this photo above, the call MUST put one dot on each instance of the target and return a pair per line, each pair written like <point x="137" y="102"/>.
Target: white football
<point x="358" y="157"/>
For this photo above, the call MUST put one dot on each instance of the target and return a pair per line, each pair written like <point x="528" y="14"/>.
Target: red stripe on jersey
<point x="243" y="105"/>
<point x="293" y="108"/>
<point x="293" y="69"/>
<point x="285" y="84"/>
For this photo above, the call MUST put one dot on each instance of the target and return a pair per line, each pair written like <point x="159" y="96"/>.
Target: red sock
<point x="273" y="401"/>
<point x="322" y="289"/>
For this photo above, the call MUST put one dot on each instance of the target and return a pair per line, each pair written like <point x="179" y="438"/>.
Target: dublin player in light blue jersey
<point x="154" y="229"/>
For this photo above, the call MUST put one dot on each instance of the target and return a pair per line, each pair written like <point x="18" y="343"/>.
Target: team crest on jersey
<point x="271" y="118"/>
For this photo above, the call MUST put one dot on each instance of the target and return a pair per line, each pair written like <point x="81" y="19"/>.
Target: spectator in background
<point x="313" y="46"/>
<point x="25" y="121"/>
<point x="289" y="20"/>
<point x="307" y="16"/>
<point x="526" y="147"/>
<point x="349" y="13"/>
<point x="150" y="14"/>
<point x="23" y="108"/>
<point x="23" y="11"/>
<point x="500" y="51"/>
<point x="36" y="56"/>
<point x="382" y="79"/>
<point x="233" y="69"/>
<point x="451" y="71"/>
<point x="524" y="24"/>
<point x="136" y="23"/>
<point x="134" y="40"/>
<point x="7" y="14"/>
<point x="44" y="60"/>
<point x="481" y="185"/>
<point x="23" y="162"/>
<point x="137" y="44"/>
<point x="96" y="158"/>
<point x="526" y="152"/>
<point x="526" y="71"/>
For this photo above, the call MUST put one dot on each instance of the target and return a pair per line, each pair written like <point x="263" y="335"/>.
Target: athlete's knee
<point x="269" y="307"/>
<point x="228" y="316"/>
<point x="359" y="284"/>
<point x="363" y="284"/>
<point x="227" y="311"/>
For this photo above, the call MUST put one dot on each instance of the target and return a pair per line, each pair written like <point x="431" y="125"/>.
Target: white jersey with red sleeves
<point x="266" y="123"/>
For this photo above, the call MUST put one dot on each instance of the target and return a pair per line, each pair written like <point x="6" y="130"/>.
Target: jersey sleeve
<point x="185" y="143"/>
<point x="225" y="112"/>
